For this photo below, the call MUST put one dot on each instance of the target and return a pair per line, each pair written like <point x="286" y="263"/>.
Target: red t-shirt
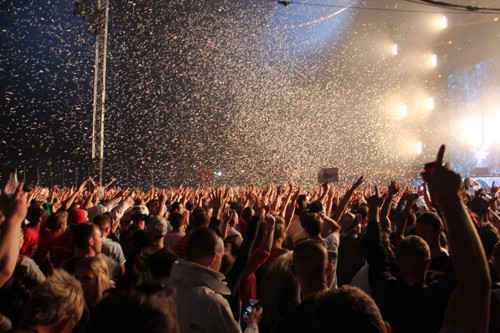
<point x="30" y="244"/>
<point x="62" y="249"/>
<point x="180" y="247"/>
<point x="248" y="283"/>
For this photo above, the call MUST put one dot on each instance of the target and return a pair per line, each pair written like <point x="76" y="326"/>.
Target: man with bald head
<point x="311" y="268"/>
<point x="201" y="306"/>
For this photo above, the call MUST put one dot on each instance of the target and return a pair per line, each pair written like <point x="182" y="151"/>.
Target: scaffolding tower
<point x="96" y="13"/>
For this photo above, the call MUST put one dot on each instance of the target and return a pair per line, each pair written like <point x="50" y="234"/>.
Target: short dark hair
<point x="347" y="310"/>
<point x="310" y="259"/>
<point x="175" y="206"/>
<point x="431" y="219"/>
<point x="311" y="222"/>
<point x="35" y="213"/>
<point x="202" y="244"/>
<point x="200" y="220"/>
<point x="82" y="233"/>
<point x="102" y="221"/>
<point x="315" y="207"/>
<point x="130" y="310"/>
<point x="176" y="219"/>
<point x="412" y="254"/>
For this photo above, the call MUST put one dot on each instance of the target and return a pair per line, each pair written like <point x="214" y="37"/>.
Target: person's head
<point x="301" y="205"/>
<point x="177" y="221"/>
<point x="77" y="216"/>
<point x="200" y="220"/>
<point x="104" y="223"/>
<point x="58" y="222"/>
<point x="429" y="226"/>
<point x="87" y="237"/>
<point x="177" y="207"/>
<point x="36" y="216"/>
<point x="205" y="248"/>
<point x="311" y="222"/>
<point x="138" y="214"/>
<point x="56" y="304"/>
<point x="489" y="237"/>
<point x="130" y="310"/>
<point x="347" y="310"/>
<point x="156" y="229"/>
<point x="232" y="244"/>
<point x="160" y="263"/>
<point x="413" y="258"/>
<point x="92" y="273"/>
<point x="310" y="263"/>
<point x="247" y="213"/>
<point x="350" y="224"/>
<point x="315" y="207"/>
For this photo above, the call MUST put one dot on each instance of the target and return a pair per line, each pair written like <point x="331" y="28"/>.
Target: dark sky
<point x="250" y="88"/>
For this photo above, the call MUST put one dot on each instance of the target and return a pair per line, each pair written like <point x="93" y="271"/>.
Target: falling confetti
<point x="256" y="90"/>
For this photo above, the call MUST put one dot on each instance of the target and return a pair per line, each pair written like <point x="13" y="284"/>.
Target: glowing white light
<point x="434" y="60"/>
<point x="219" y="173"/>
<point x="403" y="110"/>
<point x="420" y="147"/>
<point x="429" y="103"/>
<point x="443" y="22"/>
<point x="395" y="49"/>
<point x="242" y="171"/>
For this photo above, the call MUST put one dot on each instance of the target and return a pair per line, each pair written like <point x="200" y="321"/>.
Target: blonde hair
<point x="100" y="271"/>
<point x="59" y="296"/>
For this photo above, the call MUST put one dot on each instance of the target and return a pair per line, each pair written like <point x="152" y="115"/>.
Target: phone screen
<point x="252" y="303"/>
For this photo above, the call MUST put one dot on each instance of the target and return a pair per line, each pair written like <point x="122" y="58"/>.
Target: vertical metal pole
<point x="62" y="174"/>
<point x="94" y="105"/>
<point x="103" y="94"/>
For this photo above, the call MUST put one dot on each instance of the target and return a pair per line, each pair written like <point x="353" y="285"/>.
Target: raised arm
<point x="385" y="223"/>
<point x="67" y="204"/>
<point x="468" y="307"/>
<point x="12" y="214"/>
<point x="345" y="199"/>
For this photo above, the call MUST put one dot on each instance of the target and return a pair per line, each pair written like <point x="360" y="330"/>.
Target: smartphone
<point x="430" y="167"/>
<point x="252" y="303"/>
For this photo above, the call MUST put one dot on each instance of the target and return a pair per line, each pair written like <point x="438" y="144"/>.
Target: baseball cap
<point x="157" y="226"/>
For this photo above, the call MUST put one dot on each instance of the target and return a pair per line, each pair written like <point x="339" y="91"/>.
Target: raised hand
<point x="375" y="200"/>
<point x="393" y="188"/>
<point x="443" y="182"/>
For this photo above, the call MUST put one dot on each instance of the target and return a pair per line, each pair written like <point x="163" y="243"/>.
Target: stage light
<point x="443" y="22"/>
<point x="395" y="49"/>
<point x="429" y="103"/>
<point x="434" y="60"/>
<point x="420" y="147"/>
<point x="219" y="173"/>
<point x="403" y="110"/>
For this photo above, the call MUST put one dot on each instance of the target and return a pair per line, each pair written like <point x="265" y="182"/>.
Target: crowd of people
<point x="364" y="258"/>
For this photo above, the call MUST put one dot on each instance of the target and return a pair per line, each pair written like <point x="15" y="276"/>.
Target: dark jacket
<point x="417" y="308"/>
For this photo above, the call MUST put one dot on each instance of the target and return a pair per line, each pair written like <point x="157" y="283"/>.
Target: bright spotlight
<point x="429" y="103"/>
<point x="443" y="22"/>
<point x="219" y="173"/>
<point x="403" y="110"/>
<point x="434" y="60"/>
<point x="420" y="147"/>
<point x="395" y="49"/>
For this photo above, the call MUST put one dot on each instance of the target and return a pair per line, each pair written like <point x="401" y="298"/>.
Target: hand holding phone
<point x="252" y="304"/>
